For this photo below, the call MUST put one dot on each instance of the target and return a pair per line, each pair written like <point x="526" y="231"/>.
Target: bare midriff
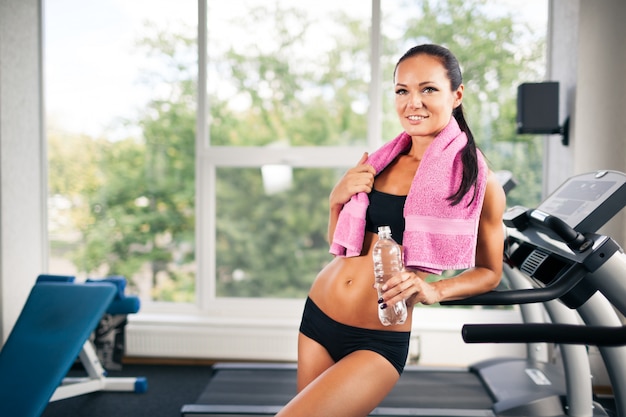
<point x="344" y="290"/>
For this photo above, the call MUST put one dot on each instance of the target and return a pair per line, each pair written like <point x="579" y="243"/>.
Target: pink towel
<point x="437" y="236"/>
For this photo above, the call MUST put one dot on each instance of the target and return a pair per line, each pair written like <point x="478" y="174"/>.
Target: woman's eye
<point x="429" y="90"/>
<point x="400" y="91"/>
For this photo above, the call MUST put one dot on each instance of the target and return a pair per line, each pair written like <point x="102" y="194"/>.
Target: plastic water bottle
<point x="387" y="256"/>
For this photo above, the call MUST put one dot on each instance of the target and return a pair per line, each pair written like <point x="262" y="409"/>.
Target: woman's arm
<point x="487" y="273"/>
<point x="484" y="277"/>
<point x="358" y="179"/>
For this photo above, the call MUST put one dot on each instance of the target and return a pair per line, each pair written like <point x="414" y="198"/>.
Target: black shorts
<point x="340" y="339"/>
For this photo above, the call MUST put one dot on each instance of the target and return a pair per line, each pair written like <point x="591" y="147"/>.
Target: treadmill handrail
<point x="552" y="291"/>
<point x="519" y="217"/>
<point x="576" y="241"/>
<point x="545" y="333"/>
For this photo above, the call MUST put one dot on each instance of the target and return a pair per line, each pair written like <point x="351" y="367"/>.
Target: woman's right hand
<point x="358" y="179"/>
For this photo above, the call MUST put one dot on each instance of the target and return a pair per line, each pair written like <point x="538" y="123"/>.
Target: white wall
<point x="22" y="161"/>
<point x="600" y="113"/>
<point x="437" y="329"/>
<point x="587" y="56"/>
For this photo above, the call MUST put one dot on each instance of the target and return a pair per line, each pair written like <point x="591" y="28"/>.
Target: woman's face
<point x="424" y="102"/>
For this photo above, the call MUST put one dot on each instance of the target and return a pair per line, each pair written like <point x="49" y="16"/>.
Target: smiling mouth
<point x="416" y="118"/>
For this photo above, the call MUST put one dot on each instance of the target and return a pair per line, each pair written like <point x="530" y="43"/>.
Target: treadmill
<point x="552" y="246"/>
<point x="500" y="386"/>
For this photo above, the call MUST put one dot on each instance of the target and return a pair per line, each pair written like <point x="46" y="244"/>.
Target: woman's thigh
<point x="313" y="360"/>
<point x="352" y="387"/>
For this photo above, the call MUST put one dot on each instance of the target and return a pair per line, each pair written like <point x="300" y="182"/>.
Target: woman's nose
<point x="415" y="101"/>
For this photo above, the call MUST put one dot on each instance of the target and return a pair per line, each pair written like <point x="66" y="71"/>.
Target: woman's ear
<point x="458" y="96"/>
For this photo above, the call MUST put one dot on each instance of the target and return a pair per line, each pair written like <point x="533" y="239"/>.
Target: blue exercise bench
<point x="52" y="330"/>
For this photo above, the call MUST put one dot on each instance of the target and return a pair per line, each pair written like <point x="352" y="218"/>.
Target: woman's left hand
<point x="409" y="286"/>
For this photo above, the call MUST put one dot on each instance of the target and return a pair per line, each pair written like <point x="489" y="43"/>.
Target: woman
<point x="347" y="360"/>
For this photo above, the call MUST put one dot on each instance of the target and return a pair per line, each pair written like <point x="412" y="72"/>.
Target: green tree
<point x="133" y="199"/>
<point x="154" y="195"/>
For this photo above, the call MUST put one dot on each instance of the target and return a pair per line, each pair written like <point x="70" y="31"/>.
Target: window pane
<point x="120" y="100"/>
<point x="288" y="72"/>
<point x="271" y="229"/>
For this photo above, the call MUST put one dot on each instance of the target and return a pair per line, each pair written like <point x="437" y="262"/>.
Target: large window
<point x="192" y="146"/>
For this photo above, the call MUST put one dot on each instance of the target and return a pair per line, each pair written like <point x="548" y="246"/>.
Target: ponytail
<point x="469" y="158"/>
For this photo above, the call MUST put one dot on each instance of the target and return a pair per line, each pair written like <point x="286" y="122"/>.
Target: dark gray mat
<point x="268" y="385"/>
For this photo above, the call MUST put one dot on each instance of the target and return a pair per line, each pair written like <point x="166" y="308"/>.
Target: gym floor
<point x="170" y="386"/>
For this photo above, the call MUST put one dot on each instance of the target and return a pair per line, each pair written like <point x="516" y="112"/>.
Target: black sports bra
<point x="386" y="210"/>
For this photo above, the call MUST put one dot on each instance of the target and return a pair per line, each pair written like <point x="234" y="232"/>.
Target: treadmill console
<point x="556" y="241"/>
<point x="587" y="201"/>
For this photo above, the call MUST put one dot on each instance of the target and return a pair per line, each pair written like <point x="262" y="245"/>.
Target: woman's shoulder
<point x="495" y="198"/>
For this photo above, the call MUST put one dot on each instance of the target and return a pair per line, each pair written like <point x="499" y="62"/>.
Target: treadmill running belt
<point x="250" y="387"/>
<point x="438" y="389"/>
<point x="273" y="387"/>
